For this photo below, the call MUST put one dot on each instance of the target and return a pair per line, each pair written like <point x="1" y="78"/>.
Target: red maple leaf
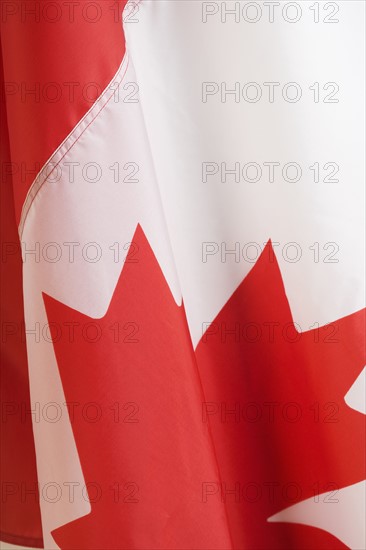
<point x="148" y="464"/>
<point x="157" y="471"/>
<point x="291" y="435"/>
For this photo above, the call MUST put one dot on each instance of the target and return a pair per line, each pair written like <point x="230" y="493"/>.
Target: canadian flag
<point x="183" y="287"/>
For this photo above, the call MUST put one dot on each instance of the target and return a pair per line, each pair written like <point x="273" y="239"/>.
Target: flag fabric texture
<point x="183" y="353"/>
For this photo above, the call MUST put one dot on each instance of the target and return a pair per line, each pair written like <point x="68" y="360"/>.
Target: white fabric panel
<point x="174" y="52"/>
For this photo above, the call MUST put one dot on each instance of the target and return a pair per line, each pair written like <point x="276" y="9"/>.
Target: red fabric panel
<point x="20" y="521"/>
<point x="67" y="56"/>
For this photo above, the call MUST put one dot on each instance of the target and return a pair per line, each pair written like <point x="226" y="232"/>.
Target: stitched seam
<point x="35" y="187"/>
